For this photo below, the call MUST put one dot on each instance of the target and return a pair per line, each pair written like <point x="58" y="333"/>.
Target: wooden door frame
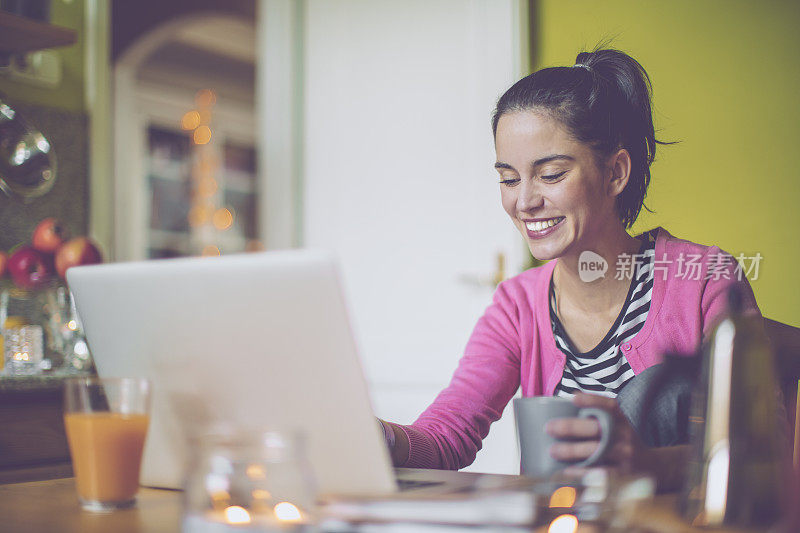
<point x="110" y="97"/>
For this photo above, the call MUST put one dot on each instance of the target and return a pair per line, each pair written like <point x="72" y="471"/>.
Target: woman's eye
<point x="553" y="177"/>
<point x="509" y="181"/>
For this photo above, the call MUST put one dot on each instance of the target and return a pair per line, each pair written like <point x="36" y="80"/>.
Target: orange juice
<point x="106" y="453"/>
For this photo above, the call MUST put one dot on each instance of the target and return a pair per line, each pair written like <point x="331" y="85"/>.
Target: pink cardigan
<point x="512" y="345"/>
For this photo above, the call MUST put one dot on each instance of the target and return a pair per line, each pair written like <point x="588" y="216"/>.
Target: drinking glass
<point x="106" y="421"/>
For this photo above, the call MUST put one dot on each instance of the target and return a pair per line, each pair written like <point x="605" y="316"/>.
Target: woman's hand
<point x="396" y="441"/>
<point x="626" y="451"/>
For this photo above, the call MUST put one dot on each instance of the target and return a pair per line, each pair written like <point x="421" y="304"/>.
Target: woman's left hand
<point x="582" y="436"/>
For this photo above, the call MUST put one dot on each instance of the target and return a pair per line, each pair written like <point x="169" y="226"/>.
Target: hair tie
<point x="587" y="67"/>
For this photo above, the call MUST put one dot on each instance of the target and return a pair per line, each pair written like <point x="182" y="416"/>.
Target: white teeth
<point x="543" y="224"/>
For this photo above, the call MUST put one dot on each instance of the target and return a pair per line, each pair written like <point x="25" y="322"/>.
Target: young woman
<point x="574" y="147"/>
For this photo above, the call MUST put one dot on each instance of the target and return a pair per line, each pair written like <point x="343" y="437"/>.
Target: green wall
<point x="69" y="94"/>
<point x="726" y="82"/>
<point x="60" y="114"/>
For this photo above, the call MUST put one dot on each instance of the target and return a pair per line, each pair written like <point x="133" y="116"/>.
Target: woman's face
<point x="551" y="186"/>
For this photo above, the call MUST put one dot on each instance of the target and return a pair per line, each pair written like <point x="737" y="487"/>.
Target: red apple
<point x="3" y="264"/>
<point x="28" y="268"/>
<point x="49" y="235"/>
<point x="74" y="252"/>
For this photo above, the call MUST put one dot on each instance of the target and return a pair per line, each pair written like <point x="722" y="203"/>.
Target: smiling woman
<point x="574" y="147"/>
<point x="552" y="186"/>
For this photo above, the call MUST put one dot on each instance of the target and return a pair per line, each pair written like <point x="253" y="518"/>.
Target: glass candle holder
<point x="242" y="480"/>
<point x="52" y="309"/>
<point x="23" y="350"/>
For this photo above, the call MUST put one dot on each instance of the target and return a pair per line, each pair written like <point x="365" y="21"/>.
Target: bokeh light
<point x="210" y="251"/>
<point x="237" y="515"/>
<point x="222" y="219"/>
<point x="202" y="135"/>
<point x="566" y="523"/>
<point x="256" y="471"/>
<point x="261" y="494"/>
<point x="190" y="120"/>
<point x="286" y="512"/>
<point x="563" y="497"/>
<point x="205" y="98"/>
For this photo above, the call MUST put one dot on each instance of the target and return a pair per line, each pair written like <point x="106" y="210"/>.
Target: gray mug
<point x="534" y="442"/>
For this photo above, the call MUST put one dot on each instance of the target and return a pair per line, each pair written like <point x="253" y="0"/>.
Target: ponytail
<point x="604" y="101"/>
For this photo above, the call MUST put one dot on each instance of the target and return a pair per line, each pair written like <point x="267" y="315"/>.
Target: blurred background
<point x="205" y="127"/>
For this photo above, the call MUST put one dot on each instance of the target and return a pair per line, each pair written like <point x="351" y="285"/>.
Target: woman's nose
<point x="530" y="197"/>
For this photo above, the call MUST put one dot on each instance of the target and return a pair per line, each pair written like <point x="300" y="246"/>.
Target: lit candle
<point x="285" y="518"/>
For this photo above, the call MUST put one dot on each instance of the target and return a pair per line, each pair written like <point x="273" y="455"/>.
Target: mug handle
<point x="606" y="421"/>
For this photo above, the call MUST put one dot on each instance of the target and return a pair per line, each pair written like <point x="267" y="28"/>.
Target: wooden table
<point x="52" y="506"/>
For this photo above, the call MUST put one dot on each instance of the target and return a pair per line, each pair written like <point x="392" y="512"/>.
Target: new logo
<point x="591" y="266"/>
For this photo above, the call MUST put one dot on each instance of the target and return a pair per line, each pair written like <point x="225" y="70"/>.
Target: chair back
<point x="785" y="341"/>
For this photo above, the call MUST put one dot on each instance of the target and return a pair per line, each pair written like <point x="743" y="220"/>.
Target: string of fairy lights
<point x="207" y="217"/>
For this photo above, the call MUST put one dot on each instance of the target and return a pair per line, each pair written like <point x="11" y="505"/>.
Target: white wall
<point x="398" y="179"/>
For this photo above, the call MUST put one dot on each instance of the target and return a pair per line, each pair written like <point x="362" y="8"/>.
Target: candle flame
<point x="286" y="512"/>
<point x="237" y="515"/>
<point x="566" y="523"/>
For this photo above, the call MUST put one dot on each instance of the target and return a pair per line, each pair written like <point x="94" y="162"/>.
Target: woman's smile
<point x="541" y="227"/>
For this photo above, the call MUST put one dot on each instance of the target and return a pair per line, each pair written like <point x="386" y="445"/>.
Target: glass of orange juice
<point x="106" y="421"/>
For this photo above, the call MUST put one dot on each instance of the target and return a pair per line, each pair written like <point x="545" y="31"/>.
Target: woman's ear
<point x="619" y="164"/>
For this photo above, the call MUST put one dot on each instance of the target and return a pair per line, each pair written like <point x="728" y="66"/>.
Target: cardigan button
<point x="626" y="346"/>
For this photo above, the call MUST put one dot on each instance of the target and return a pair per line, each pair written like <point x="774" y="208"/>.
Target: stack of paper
<point x="438" y="513"/>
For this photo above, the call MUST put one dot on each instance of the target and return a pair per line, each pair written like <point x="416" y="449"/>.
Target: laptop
<point x="261" y="340"/>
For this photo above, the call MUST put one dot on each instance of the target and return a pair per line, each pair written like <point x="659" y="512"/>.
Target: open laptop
<point x="260" y="340"/>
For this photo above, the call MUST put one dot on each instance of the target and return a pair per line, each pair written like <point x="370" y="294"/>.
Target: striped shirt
<point x="603" y="369"/>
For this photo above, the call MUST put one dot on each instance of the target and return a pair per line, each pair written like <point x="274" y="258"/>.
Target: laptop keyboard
<point x="410" y="484"/>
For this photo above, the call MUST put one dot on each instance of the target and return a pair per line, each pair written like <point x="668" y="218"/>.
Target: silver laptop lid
<point x="256" y="339"/>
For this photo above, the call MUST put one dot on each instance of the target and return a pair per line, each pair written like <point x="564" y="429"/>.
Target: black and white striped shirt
<point x="604" y="369"/>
